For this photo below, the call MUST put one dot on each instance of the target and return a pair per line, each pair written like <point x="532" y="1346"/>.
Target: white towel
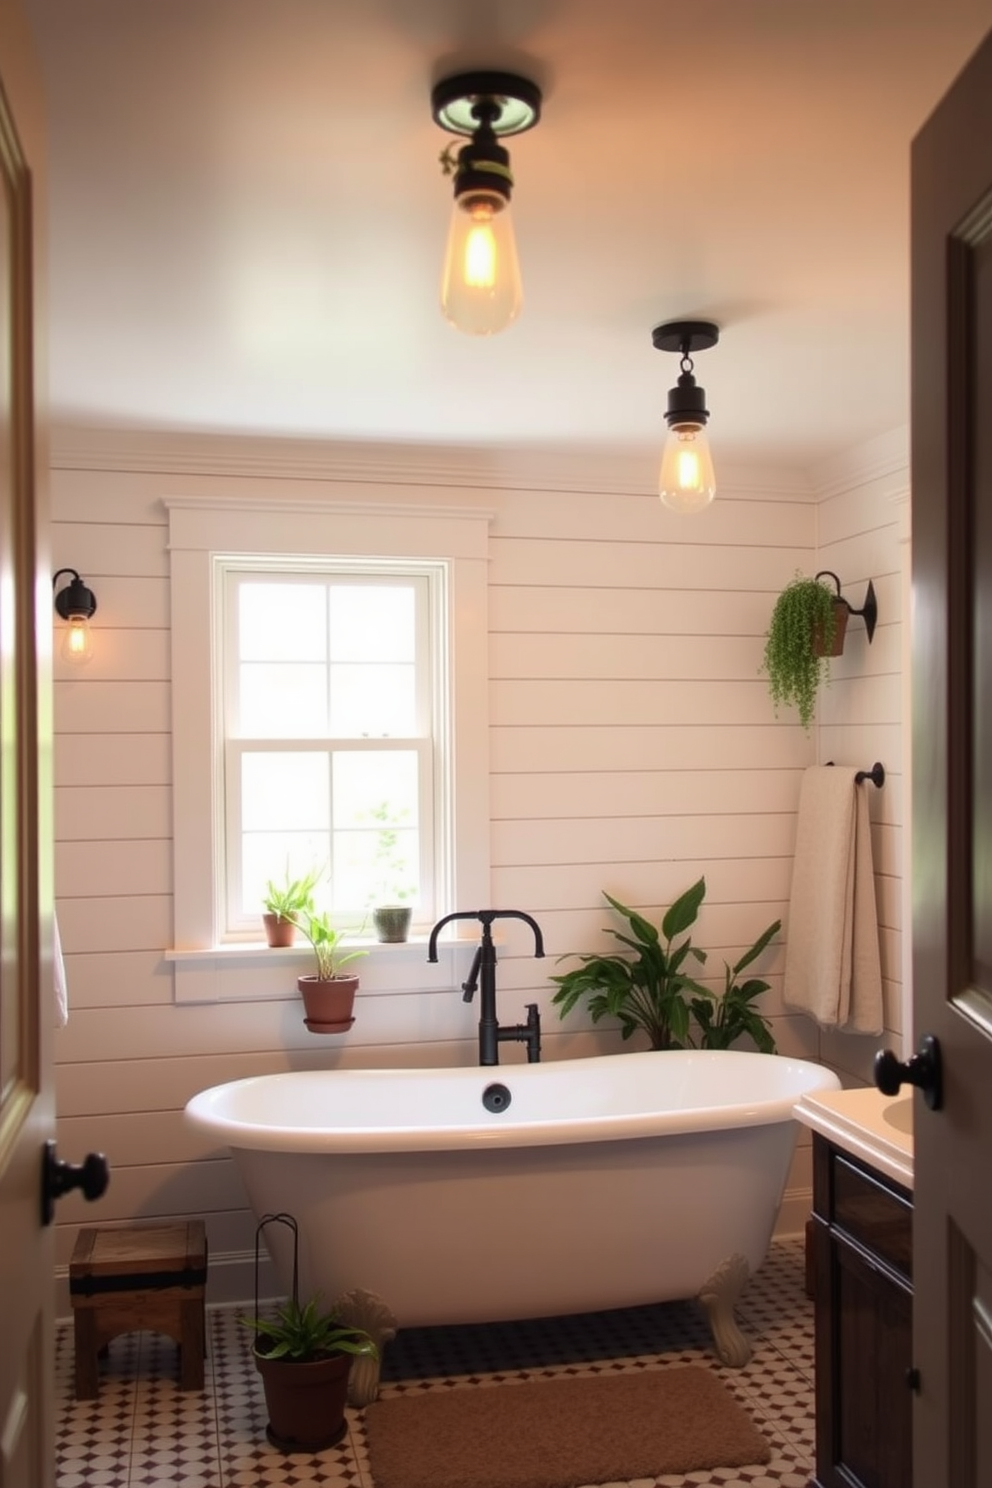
<point x="58" y="973"/>
<point x="832" y="966"/>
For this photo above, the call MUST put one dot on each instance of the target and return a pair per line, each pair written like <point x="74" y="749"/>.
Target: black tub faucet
<point x="483" y="975"/>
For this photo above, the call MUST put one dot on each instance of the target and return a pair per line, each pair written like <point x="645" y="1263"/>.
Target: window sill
<point x="254" y="972"/>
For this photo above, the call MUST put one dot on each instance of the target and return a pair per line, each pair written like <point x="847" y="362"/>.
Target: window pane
<point x="372" y="623"/>
<point x="282" y="622"/>
<point x="371" y="868"/>
<point x="285" y="701"/>
<point x="284" y="792"/>
<point x="373" y="701"/>
<point x="284" y="815"/>
<point x="268" y="855"/>
<point x="376" y="837"/>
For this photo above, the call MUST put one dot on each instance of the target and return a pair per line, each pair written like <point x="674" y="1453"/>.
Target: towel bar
<point x="876" y="774"/>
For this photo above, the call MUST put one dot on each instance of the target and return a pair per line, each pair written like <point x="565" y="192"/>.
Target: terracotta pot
<point x="305" y="1401"/>
<point x="329" y="1005"/>
<point x="392" y="922"/>
<point x="841" y="615"/>
<point x="278" y="932"/>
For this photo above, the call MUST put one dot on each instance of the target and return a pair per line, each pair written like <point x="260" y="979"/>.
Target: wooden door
<point x="952" y="776"/>
<point x="26" y="1104"/>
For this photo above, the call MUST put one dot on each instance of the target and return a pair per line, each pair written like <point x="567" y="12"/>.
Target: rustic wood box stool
<point x="139" y="1276"/>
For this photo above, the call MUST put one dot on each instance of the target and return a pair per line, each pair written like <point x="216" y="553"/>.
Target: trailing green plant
<point x="804" y="609"/>
<point x="325" y="940"/>
<point x="292" y="896"/>
<point x="653" y="991"/>
<point x="302" y="1333"/>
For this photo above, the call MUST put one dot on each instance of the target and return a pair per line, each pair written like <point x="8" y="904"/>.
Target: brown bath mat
<point x="560" y="1433"/>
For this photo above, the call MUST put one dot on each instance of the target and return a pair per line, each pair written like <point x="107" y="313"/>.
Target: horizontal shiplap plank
<point x="631" y="839"/>
<point x="123" y="922"/>
<point x="86" y="707"/>
<point x="612" y="745"/>
<point x="641" y="658"/>
<point x="566" y="609"/>
<point x="97" y="552"/>
<point x="102" y="868"/>
<point x="744" y="522"/>
<point x="531" y="798"/>
<point x="113" y="759"/>
<point x="109" y="498"/>
<point x="117" y="978"/>
<point x="533" y="703"/>
<point x="603" y="564"/>
<point x="94" y="813"/>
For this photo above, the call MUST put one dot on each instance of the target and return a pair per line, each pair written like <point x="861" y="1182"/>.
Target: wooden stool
<point x="139" y="1276"/>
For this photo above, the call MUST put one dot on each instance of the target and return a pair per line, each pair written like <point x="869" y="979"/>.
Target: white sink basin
<point x="900" y="1115"/>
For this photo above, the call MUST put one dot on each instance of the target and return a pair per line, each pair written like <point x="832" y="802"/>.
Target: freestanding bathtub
<point x="479" y="1194"/>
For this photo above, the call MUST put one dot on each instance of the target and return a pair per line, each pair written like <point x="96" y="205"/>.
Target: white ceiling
<point x="248" y="215"/>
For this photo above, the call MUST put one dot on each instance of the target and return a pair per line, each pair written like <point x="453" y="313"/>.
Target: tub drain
<point x="496" y="1097"/>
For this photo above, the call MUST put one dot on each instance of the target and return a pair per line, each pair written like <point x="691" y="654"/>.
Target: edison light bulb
<point x="77" y="643"/>
<point x="480" y="286"/>
<point x="686" y="482"/>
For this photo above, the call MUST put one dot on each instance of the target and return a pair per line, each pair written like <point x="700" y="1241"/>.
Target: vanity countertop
<point x="874" y="1127"/>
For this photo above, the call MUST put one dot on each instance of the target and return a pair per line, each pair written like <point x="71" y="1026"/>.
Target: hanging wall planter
<point x="807" y="628"/>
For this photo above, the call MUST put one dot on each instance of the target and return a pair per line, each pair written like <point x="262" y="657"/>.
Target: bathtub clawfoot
<point x="362" y="1309"/>
<point x="719" y="1296"/>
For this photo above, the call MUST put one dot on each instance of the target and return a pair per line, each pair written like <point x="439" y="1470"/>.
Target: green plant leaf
<point x="683" y="912"/>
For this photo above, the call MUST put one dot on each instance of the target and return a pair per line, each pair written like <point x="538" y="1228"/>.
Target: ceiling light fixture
<point x="686" y="482"/>
<point x="75" y="603"/>
<point x="481" y="291"/>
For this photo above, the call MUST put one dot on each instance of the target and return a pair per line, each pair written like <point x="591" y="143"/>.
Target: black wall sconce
<point x="869" y="610"/>
<point x="75" y="603"/>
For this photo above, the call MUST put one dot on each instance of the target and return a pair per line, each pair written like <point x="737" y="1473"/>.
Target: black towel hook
<point x="869" y="610"/>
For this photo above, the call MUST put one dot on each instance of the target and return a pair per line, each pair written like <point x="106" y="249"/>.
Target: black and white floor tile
<point x="143" y="1430"/>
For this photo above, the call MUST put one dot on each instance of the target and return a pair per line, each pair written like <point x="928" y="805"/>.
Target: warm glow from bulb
<point x="480" y="249"/>
<point x="687" y="482"/>
<point x="77" y="643"/>
<point x="481" y="291"/>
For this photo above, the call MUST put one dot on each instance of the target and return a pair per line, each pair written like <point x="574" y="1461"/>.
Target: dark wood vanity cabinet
<point x="861" y="1238"/>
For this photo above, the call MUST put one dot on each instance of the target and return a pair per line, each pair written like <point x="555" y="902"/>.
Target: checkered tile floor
<point x="143" y="1430"/>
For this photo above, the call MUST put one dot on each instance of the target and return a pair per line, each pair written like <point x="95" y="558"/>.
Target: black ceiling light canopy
<point x="480" y="286"/>
<point x="686" y="482"/>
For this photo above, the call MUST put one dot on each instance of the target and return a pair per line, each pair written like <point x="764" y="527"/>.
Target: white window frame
<point x="456" y="538"/>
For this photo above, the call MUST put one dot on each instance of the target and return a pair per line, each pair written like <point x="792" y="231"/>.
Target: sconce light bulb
<point x="687" y="482"/>
<point x="77" y="642"/>
<point x="481" y="292"/>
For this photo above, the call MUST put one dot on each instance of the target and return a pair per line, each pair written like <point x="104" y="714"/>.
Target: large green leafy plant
<point x="653" y="991"/>
<point x="793" y="659"/>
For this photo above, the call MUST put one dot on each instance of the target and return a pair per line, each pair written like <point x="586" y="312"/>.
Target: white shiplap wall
<point x="633" y="747"/>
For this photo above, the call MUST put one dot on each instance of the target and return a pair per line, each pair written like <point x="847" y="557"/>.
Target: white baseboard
<point x="794" y="1213"/>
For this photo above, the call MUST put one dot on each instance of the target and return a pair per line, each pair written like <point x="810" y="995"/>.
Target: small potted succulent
<point x="283" y="901"/>
<point x="328" y="992"/>
<point x="806" y="628"/>
<point x="304" y="1355"/>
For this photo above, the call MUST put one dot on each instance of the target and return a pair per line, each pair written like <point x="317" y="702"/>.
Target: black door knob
<point x="57" y="1178"/>
<point x="922" y="1070"/>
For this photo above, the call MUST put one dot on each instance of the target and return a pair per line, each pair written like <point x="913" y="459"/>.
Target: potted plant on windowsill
<point x="282" y="902"/>
<point x="328" y="993"/>
<point x="652" y="991"/>
<point x="304" y="1356"/>
<point x="807" y="627"/>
